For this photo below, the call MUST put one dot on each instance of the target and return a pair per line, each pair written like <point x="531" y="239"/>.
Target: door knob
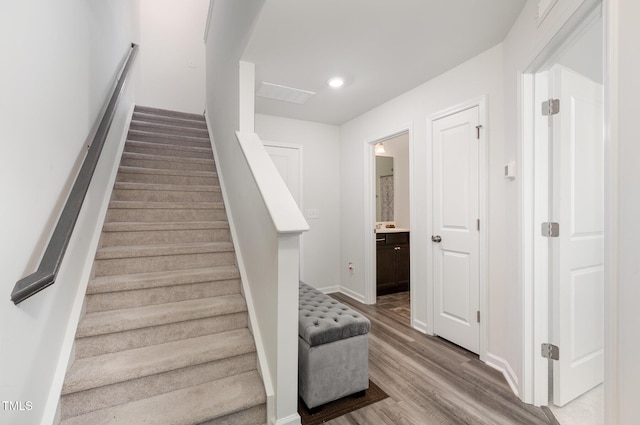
<point x="436" y="238"/>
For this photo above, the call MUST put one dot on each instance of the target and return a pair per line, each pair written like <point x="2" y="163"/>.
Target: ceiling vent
<point x="286" y="94"/>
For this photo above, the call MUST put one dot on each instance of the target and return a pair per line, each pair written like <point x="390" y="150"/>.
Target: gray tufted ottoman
<point x="333" y="348"/>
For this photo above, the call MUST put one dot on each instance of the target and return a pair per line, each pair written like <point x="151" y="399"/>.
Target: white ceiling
<point x="381" y="47"/>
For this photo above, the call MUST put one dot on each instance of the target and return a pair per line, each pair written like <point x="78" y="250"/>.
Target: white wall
<point x="267" y="254"/>
<point x="230" y="27"/>
<point x="64" y="58"/>
<point x="172" y="54"/>
<point x="624" y="386"/>
<point x="522" y="46"/>
<point x="479" y="76"/>
<point x="584" y="55"/>
<point x="320" y="190"/>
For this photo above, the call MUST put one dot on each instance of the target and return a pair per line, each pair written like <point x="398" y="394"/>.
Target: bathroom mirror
<point x="384" y="188"/>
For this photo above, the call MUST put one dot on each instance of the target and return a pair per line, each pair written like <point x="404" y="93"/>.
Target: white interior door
<point x="287" y="161"/>
<point x="456" y="236"/>
<point x="577" y="254"/>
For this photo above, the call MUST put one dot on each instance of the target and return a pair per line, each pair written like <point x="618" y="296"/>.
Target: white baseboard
<point x="420" y="326"/>
<point x="352" y="294"/>
<point x="289" y="420"/>
<point x="271" y="408"/>
<point x="503" y="366"/>
<point x="329" y="289"/>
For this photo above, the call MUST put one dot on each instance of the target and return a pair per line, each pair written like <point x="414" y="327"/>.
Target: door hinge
<point x="478" y="316"/>
<point x="550" y="229"/>
<point x="478" y="127"/>
<point x="551" y="107"/>
<point x="550" y="351"/>
<point x="478" y="224"/>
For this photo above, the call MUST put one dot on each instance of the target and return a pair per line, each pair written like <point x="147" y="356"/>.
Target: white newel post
<point x="287" y="358"/>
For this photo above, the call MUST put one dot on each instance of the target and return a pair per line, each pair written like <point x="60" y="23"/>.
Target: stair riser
<point x="162" y="164"/>
<point x="160" y="295"/>
<point x="155" y="237"/>
<point x="156" y="214"/>
<point x="131" y="283"/>
<point x="165" y="195"/>
<point x="166" y="179"/>
<point x="118" y="341"/>
<point x="110" y="267"/>
<point x="179" y="122"/>
<point x="111" y="395"/>
<point x="170" y="152"/>
<point x="254" y="416"/>
<point x="168" y="140"/>
<point x="178" y="131"/>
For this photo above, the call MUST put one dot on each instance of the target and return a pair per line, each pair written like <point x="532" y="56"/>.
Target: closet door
<point x="456" y="273"/>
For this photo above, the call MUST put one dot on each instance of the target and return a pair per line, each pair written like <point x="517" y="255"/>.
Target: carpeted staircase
<point x="164" y="339"/>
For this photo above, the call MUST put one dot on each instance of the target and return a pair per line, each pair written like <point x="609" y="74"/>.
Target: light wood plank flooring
<point x="429" y="380"/>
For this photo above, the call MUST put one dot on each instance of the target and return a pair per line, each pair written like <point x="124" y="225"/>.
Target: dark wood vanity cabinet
<point x="392" y="262"/>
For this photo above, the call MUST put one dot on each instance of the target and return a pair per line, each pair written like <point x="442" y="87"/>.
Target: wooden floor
<point x="429" y="380"/>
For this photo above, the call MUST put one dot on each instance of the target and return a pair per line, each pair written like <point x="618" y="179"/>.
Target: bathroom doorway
<point x="389" y="193"/>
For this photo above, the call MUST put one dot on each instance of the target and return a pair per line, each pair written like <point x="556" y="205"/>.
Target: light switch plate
<point x="313" y="213"/>
<point x="510" y="171"/>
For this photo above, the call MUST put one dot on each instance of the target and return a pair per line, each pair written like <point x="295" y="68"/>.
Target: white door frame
<point x="533" y="199"/>
<point x="483" y="195"/>
<point x="370" y="213"/>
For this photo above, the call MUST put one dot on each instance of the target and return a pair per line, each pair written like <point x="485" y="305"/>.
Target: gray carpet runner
<point x="164" y="338"/>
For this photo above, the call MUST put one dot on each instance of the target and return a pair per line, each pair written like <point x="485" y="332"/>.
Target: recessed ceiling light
<point x="336" y="82"/>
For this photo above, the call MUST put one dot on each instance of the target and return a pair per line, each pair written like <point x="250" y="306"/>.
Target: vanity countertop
<point x="392" y="230"/>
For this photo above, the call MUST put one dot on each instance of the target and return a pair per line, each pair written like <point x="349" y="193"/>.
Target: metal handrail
<point x="49" y="266"/>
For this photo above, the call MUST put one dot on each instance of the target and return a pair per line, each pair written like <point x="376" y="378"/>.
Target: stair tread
<point x="194" y="120"/>
<point x="161" y="124"/>
<point x="131" y="251"/>
<point x="170" y="121"/>
<point x="125" y="282"/>
<point x="147" y="156"/>
<point x="167" y="172"/>
<point x="159" y="127"/>
<point x="197" y="121"/>
<point x="165" y="205"/>
<point x="166" y="187"/>
<point x="187" y="406"/>
<point x="133" y="133"/>
<point x="165" y="146"/>
<point x="136" y="226"/>
<point x="111" y="368"/>
<point x="111" y="321"/>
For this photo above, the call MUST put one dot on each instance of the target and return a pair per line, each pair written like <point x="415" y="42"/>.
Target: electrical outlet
<point x="313" y="213"/>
